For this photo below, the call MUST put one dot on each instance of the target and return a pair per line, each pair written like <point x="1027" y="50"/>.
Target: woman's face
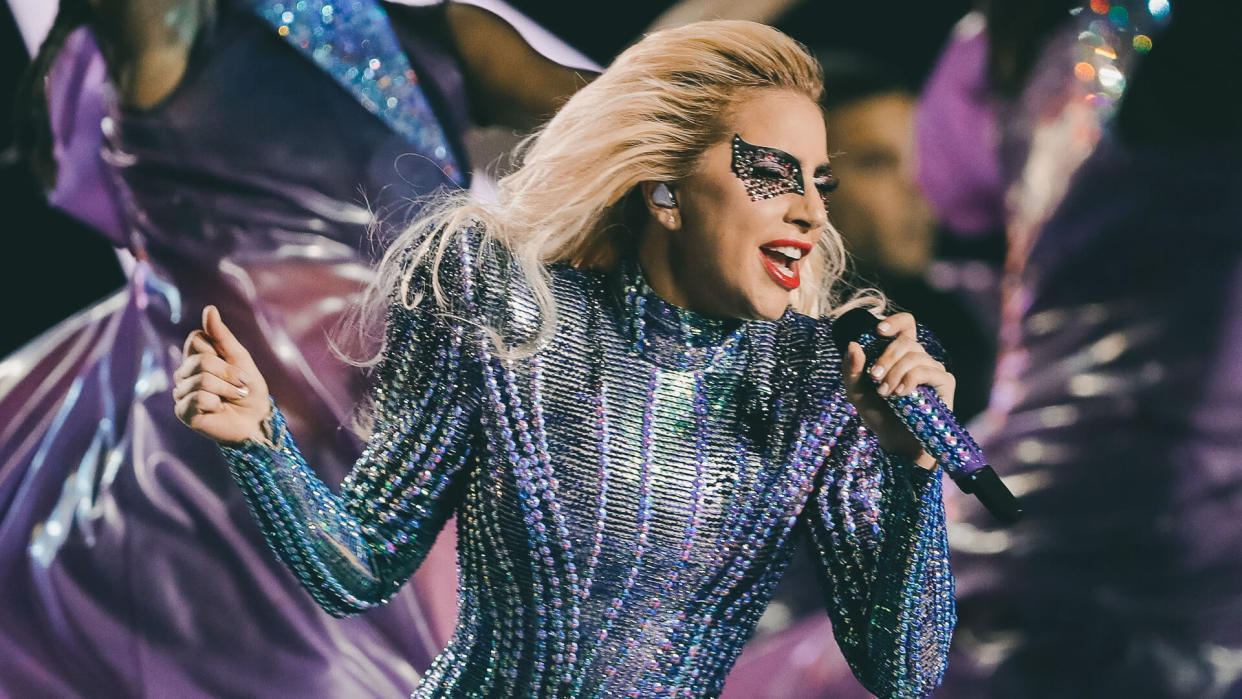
<point x="750" y="213"/>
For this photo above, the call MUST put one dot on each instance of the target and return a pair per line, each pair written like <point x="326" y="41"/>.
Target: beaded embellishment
<point x="619" y="532"/>
<point x="701" y="341"/>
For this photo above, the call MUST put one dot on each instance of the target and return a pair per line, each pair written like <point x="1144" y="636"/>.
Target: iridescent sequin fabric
<point x="626" y="497"/>
<point x="352" y="41"/>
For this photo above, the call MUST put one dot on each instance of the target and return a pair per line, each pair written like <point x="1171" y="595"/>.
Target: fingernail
<point x="883" y="389"/>
<point x="901" y="389"/>
<point x="243" y="391"/>
<point x="877" y="371"/>
<point x="884" y="327"/>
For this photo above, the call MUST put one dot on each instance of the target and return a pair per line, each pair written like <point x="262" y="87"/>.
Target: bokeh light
<point x="1111" y="78"/>
<point x="1090" y="38"/>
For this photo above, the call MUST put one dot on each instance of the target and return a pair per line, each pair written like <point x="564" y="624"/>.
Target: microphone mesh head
<point x="851" y="325"/>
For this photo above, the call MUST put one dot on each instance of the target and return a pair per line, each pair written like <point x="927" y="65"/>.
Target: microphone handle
<point x="935" y="427"/>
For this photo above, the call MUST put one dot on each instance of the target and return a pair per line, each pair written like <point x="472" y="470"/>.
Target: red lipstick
<point x="781" y="259"/>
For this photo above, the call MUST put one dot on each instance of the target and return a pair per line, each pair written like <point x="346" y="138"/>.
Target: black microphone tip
<point x="851" y="325"/>
<point x="984" y="484"/>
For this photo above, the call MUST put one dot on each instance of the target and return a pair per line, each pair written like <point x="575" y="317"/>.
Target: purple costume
<point x="130" y="564"/>
<point x="1118" y="404"/>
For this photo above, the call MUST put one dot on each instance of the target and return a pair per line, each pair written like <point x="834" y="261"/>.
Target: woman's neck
<point x="669" y="334"/>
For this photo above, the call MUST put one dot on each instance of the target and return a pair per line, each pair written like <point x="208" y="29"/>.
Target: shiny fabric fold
<point x="131" y="565"/>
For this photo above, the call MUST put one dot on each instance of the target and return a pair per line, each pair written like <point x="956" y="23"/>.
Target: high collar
<point x="669" y="336"/>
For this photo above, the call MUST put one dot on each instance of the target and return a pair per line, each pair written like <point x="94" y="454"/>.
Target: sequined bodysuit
<point x="626" y="496"/>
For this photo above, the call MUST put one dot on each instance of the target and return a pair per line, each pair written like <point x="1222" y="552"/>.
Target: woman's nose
<point x="809" y="212"/>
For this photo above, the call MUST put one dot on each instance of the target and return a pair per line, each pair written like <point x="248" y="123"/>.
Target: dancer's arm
<point x="353" y="549"/>
<point x="511" y="84"/>
<point x="877" y="522"/>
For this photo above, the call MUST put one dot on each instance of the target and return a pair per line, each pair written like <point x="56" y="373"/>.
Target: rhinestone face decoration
<point x="621" y="523"/>
<point x="771" y="172"/>
<point x="766" y="172"/>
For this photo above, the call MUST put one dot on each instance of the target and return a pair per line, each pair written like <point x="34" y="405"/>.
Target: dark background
<point x="50" y="265"/>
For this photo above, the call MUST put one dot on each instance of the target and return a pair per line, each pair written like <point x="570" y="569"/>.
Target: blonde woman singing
<point x="620" y="378"/>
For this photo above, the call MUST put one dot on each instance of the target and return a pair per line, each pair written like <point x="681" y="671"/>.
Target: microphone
<point x="932" y="423"/>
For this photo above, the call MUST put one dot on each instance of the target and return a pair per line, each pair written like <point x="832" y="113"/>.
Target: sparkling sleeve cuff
<point x="306" y="524"/>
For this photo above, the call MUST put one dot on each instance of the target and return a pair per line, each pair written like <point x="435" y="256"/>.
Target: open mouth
<point x="781" y="259"/>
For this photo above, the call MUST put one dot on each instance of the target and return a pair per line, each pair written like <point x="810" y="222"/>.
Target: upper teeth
<point x="789" y="251"/>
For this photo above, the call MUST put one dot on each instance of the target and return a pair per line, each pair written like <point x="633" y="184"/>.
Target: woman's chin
<point x="771" y="307"/>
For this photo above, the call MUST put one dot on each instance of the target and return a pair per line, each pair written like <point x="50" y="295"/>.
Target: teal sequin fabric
<point x="352" y="41"/>
<point x="626" y="497"/>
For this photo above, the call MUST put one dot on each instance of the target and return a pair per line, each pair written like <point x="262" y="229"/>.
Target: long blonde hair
<point x="574" y="195"/>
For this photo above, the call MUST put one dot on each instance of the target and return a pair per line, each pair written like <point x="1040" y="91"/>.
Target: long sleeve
<point x="353" y="549"/>
<point x="878" y="527"/>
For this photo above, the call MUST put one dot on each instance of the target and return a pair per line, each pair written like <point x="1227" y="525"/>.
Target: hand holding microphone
<point x="905" y="398"/>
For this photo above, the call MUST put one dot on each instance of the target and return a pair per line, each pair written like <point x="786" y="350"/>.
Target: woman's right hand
<point x="219" y="392"/>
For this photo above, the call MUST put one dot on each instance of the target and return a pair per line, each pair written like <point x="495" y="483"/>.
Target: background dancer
<point x="1117" y="404"/>
<point x="250" y="146"/>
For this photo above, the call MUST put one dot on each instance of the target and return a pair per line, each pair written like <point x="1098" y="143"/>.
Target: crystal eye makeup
<point x="766" y="172"/>
<point x="771" y="172"/>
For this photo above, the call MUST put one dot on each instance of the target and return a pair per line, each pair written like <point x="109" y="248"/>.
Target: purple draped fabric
<point x="1120" y="428"/>
<point x="130" y="564"/>
<point x="76" y="108"/>
<point x="957" y="139"/>
<point x="1117" y="407"/>
<point x="1117" y="410"/>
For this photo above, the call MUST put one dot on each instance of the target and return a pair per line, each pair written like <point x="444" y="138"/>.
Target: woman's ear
<point x="661" y="204"/>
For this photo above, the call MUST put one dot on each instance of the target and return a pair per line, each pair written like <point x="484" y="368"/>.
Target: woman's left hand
<point x="903" y="367"/>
